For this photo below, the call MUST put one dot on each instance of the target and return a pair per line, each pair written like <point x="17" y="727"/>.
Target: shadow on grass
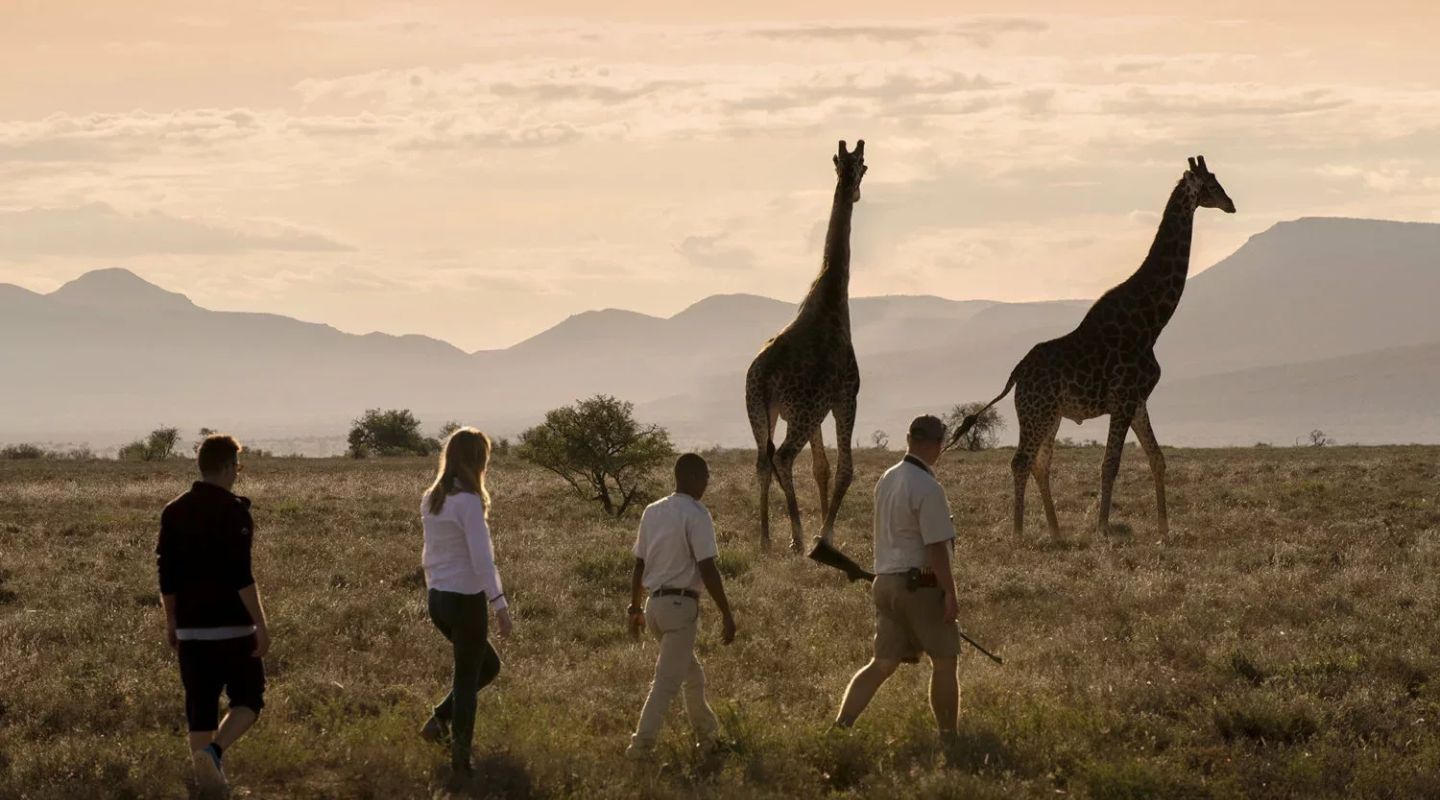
<point x="496" y="775"/>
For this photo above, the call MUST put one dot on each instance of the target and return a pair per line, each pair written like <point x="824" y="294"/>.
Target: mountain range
<point x="1317" y="323"/>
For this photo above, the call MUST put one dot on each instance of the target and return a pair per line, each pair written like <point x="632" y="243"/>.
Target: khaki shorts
<point x="909" y="623"/>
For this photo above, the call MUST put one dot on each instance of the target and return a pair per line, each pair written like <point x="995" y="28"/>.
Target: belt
<point x="916" y="578"/>
<point x="690" y="593"/>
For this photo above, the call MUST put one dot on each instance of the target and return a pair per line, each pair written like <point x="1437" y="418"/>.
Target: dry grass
<point x="1283" y="645"/>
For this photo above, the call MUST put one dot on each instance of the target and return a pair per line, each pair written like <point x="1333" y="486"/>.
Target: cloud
<point x="980" y="32"/>
<point x="711" y="252"/>
<point x="97" y="230"/>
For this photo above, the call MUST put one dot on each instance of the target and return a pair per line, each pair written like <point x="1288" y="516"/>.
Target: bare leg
<point x="237" y="721"/>
<point x="1143" y="432"/>
<point x="821" y="466"/>
<point x="1114" y="449"/>
<point x="844" y="463"/>
<point x="797" y="433"/>
<point x="862" y="689"/>
<point x="945" y="694"/>
<point x="1041" y="469"/>
<point x="199" y="740"/>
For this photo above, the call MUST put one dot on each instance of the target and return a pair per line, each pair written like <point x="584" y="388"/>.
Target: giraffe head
<point x="850" y="167"/>
<point x="1206" y="187"/>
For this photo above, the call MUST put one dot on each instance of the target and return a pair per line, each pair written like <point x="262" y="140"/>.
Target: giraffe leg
<point x="844" y="463"/>
<point x="820" y="463"/>
<point x="797" y="433"/>
<point x="1114" y="449"/>
<point x="762" y="425"/>
<point x="1041" y="470"/>
<point x="1035" y="423"/>
<point x="1143" y="432"/>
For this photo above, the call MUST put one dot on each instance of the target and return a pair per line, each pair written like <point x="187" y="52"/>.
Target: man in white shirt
<point x="915" y="606"/>
<point x="674" y="556"/>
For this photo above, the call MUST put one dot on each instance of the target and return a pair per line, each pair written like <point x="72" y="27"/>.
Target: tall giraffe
<point x="808" y="371"/>
<point x="1107" y="364"/>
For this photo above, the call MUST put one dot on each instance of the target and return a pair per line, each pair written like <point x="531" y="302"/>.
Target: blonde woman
<point x="464" y="585"/>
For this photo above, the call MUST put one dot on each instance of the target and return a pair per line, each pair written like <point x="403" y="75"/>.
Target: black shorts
<point x="208" y="667"/>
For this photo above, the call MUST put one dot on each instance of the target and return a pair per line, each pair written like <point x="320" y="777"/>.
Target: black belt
<point x="916" y="578"/>
<point x="690" y="593"/>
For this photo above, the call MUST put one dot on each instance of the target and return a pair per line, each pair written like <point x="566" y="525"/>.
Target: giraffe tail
<point x="970" y="419"/>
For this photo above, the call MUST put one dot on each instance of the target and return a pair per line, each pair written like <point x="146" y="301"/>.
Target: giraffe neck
<point x="830" y="293"/>
<point x="1162" y="276"/>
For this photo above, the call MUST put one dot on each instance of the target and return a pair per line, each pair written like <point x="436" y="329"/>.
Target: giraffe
<point x="1107" y="364"/>
<point x="808" y="371"/>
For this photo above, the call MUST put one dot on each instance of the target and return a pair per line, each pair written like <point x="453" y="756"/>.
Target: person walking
<point x="463" y="587"/>
<point x="213" y="617"/>
<point x="914" y="590"/>
<point x="675" y="553"/>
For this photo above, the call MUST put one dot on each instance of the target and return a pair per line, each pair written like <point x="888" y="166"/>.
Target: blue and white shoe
<point x="209" y="773"/>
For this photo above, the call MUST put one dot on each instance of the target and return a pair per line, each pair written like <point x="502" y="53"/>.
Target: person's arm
<point x="710" y="574"/>
<point x="242" y="578"/>
<point x="168" y="601"/>
<point x="937" y="555"/>
<point x="938" y="532"/>
<point x="482" y="560"/>
<point x="636" y="612"/>
<point x="701" y="532"/>
<point x="165" y="567"/>
<point x="250" y="596"/>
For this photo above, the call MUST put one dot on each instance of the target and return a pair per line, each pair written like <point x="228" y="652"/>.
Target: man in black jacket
<point x="213" y="617"/>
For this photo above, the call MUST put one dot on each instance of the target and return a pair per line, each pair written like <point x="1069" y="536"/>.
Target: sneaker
<point x="638" y="752"/>
<point x="436" y="730"/>
<point x="208" y="772"/>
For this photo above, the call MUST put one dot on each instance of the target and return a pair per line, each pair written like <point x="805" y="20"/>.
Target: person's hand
<point x="636" y="618"/>
<point x="262" y="641"/>
<point x="504" y="622"/>
<point x="727" y="629"/>
<point x="170" y="637"/>
<point x="952" y="608"/>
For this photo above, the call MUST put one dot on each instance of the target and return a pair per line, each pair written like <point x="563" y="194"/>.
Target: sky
<point x="479" y="171"/>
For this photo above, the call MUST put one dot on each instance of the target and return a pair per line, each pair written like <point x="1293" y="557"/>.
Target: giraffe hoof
<point x="796" y="546"/>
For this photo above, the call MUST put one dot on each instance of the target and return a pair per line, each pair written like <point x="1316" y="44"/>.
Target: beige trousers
<point x="673" y="621"/>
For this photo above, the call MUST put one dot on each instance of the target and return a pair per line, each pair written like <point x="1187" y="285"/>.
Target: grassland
<point x="1283" y="644"/>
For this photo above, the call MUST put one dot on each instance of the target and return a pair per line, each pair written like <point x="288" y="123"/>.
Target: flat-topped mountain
<point x="110" y="351"/>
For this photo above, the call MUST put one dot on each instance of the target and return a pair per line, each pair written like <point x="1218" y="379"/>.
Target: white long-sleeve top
<point x="458" y="555"/>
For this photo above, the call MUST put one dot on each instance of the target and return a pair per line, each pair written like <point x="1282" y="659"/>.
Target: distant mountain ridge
<point x="111" y="352"/>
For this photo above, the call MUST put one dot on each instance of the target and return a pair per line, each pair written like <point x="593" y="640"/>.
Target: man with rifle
<point x="915" y="605"/>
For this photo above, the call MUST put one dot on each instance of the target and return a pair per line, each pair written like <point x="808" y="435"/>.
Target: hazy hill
<point x="1339" y="305"/>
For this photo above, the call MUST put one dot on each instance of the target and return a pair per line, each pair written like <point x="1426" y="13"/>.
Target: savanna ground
<point x="1283" y="644"/>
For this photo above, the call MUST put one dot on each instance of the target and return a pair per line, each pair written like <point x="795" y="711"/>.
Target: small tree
<point x="22" y="452"/>
<point x="447" y="429"/>
<point x="1319" y="439"/>
<point x="986" y="430"/>
<point x="880" y="439"/>
<point x="598" y="448"/>
<point x="392" y="432"/>
<point x="158" y="446"/>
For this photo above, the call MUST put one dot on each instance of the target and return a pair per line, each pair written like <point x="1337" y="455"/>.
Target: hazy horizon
<point x="477" y="176"/>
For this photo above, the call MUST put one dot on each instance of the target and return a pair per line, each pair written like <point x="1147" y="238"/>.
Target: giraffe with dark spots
<point x="808" y="371"/>
<point x="1107" y="364"/>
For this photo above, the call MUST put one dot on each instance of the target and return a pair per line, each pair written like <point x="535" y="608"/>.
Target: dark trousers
<point x="465" y="621"/>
